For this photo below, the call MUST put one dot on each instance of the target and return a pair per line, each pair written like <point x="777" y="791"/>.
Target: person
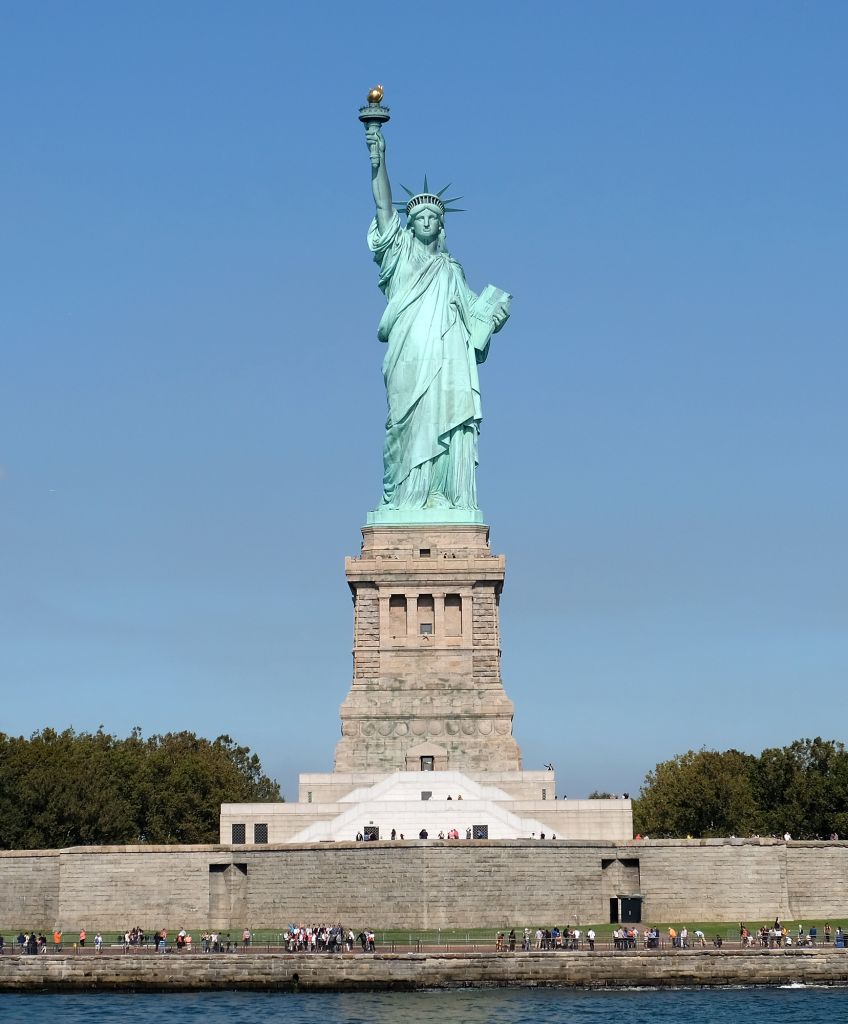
<point x="245" y="938"/>
<point x="434" y="346"/>
<point x="422" y="834"/>
<point x="468" y="832"/>
<point x="98" y="942"/>
<point x="57" y="940"/>
<point x="394" y="835"/>
<point x="590" y="937"/>
<point x="827" y="933"/>
<point x="511" y="939"/>
<point x="700" y="938"/>
<point x="82" y="937"/>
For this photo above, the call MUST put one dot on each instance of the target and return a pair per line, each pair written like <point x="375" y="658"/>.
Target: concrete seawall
<point x="410" y="971"/>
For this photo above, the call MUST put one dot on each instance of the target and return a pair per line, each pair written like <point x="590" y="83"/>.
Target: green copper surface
<point x="425" y="516"/>
<point x="437" y="331"/>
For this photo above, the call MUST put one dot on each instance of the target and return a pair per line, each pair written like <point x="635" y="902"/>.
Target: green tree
<point x="699" y="793"/>
<point x="803" y="788"/>
<point x="62" y="789"/>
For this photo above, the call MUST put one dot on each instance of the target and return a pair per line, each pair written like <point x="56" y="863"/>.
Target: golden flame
<point x="376" y="94"/>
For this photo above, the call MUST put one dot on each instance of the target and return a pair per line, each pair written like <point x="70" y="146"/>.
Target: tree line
<point x="801" y="789"/>
<point x="60" y="789"/>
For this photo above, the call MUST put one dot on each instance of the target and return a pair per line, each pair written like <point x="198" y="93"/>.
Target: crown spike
<point x="408" y="191"/>
<point x="442" y="191"/>
<point x="426" y="186"/>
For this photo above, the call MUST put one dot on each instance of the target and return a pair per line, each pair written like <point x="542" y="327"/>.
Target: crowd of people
<point x="327" y="939"/>
<point x="339" y="939"/>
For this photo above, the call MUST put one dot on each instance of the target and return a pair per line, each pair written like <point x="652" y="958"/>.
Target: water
<point x="504" y="1006"/>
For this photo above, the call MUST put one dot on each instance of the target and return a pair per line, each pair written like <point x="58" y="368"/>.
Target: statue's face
<point x="426" y="226"/>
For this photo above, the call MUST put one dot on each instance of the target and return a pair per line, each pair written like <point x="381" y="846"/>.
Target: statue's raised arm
<point x="380" y="184"/>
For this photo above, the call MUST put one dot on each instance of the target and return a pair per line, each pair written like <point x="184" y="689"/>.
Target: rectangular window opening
<point x="239" y="834"/>
<point x="423" y="552"/>
<point x="426" y="614"/>
<point x="453" y="615"/>
<point x="397" y="615"/>
<point x="427" y="764"/>
<point x="260" y="833"/>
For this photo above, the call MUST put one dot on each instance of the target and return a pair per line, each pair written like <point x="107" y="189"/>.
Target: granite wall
<point x="421" y="884"/>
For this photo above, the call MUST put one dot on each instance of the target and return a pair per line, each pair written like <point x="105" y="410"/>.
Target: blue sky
<point x="191" y="405"/>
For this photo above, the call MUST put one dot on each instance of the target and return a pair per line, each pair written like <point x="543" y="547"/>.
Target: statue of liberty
<point x="437" y="331"/>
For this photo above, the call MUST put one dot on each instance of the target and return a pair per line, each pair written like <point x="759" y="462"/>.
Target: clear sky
<point x="191" y="404"/>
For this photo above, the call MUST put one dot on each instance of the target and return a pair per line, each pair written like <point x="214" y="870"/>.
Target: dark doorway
<point x="631" y="909"/>
<point x="614" y="910"/>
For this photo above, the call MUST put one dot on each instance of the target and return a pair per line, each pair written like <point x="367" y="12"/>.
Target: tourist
<point x="468" y="833"/>
<point x="684" y="937"/>
<point x="590" y="937"/>
<point x="525" y="945"/>
<point x="394" y="835"/>
<point x="511" y="939"/>
<point x="82" y="937"/>
<point x="700" y="938"/>
<point x="422" y="834"/>
<point x="98" y="942"/>
<point x="57" y="940"/>
<point x="245" y="938"/>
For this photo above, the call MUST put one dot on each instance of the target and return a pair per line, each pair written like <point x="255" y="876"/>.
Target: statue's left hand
<point x="499" y="318"/>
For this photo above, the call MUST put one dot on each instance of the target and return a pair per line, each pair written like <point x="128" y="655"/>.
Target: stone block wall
<point x="29" y="887"/>
<point x="116" y="887"/>
<point x="422" y="884"/>
<point x="425" y="885"/>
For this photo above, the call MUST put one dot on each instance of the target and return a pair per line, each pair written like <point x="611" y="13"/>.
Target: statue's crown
<point x="426" y="197"/>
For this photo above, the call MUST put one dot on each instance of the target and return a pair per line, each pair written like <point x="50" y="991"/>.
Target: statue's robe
<point x="430" y="370"/>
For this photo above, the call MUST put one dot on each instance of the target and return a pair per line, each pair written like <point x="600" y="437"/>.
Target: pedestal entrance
<point x="427" y="690"/>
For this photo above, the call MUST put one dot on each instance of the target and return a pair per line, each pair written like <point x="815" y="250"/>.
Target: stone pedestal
<point x="427" y="690"/>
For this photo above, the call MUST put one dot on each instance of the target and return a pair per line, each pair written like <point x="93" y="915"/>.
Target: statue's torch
<point x="374" y="113"/>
